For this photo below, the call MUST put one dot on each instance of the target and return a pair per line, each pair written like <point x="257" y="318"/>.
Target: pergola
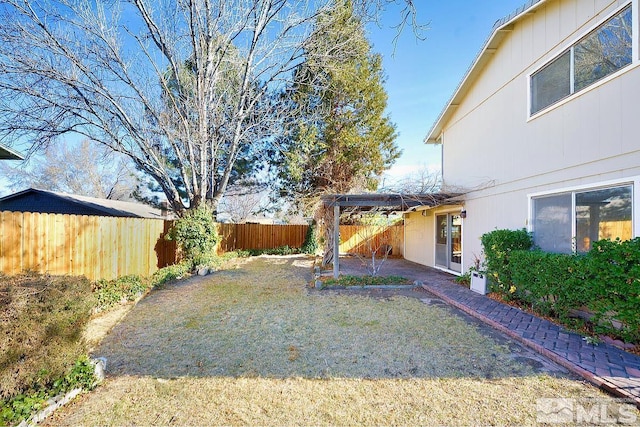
<point x="377" y="202"/>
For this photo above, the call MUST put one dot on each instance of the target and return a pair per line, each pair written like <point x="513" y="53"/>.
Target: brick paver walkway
<point x="605" y="365"/>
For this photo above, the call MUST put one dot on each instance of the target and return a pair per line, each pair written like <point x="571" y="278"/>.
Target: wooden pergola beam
<point x="388" y="202"/>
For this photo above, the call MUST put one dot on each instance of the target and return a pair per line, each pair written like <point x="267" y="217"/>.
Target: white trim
<point x="502" y="25"/>
<point x="635" y="61"/>
<point x="574" y="228"/>
<point x="448" y="210"/>
<point x="635" y="29"/>
<point x="575" y="95"/>
<point x="593" y="186"/>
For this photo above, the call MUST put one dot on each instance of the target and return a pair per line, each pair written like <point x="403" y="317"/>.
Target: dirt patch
<point x="101" y="324"/>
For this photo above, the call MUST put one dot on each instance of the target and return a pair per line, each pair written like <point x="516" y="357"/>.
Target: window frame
<point x="569" y="47"/>
<point x="633" y="181"/>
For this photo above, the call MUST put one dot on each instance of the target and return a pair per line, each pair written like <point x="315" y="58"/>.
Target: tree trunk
<point x="326" y="213"/>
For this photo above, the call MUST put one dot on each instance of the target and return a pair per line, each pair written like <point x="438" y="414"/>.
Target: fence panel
<point x="363" y="239"/>
<point x="260" y="236"/>
<point x="96" y="247"/>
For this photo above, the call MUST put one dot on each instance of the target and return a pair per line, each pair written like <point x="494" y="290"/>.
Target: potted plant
<point x="478" y="277"/>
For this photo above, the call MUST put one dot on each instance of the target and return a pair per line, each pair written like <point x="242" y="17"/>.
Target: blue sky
<point x="422" y="74"/>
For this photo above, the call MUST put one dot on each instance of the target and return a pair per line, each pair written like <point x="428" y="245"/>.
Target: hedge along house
<point x="542" y="133"/>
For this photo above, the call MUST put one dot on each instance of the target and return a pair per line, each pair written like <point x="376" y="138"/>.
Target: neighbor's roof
<point x="388" y="202"/>
<point x="7" y="153"/>
<point x="500" y="29"/>
<point x="44" y="201"/>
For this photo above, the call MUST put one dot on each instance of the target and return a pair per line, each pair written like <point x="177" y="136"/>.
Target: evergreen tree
<point x="341" y="140"/>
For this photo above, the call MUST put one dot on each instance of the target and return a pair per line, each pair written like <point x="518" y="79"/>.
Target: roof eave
<point x="7" y="153"/>
<point x="500" y="29"/>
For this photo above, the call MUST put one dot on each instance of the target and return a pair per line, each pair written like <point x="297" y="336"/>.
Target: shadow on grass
<point x="261" y="320"/>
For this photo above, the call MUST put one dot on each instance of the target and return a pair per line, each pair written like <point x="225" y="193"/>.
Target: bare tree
<point x="377" y="241"/>
<point x="422" y="181"/>
<point x="240" y="202"/>
<point x="184" y="88"/>
<point x="82" y="168"/>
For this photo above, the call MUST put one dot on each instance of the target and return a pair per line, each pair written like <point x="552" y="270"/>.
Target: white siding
<point x="419" y="243"/>
<point x="494" y="152"/>
<point x="489" y="139"/>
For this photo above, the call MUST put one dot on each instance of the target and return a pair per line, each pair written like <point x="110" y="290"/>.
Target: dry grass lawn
<point x="254" y="346"/>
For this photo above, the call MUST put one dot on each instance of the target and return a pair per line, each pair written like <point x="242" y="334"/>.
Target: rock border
<point x="56" y="402"/>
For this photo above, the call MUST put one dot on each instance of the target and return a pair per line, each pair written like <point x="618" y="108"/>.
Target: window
<point x="602" y="214"/>
<point x="552" y="83"/>
<point x="552" y="223"/>
<point x="571" y="221"/>
<point x="600" y="53"/>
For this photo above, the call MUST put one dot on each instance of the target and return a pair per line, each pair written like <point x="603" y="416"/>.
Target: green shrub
<point x="549" y="283"/>
<point x="171" y="272"/>
<point x="195" y="233"/>
<point x="606" y="280"/>
<point x="240" y="253"/>
<point x="125" y="288"/>
<point x="464" y="279"/>
<point x="22" y="406"/>
<point x="612" y="287"/>
<point x="281" y="250"/>
<point x="310" y="245"/>
<point x="498" y="246"/>
<point x="349" y="280"/>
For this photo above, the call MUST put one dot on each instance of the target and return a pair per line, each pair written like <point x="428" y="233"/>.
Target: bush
<point x="281" y="250"/>
<point x="498" y="246"/>
<point x="169" y="273"/>
<point x="606" y="280"/>
<point x="549" y="283"/>
<point x="196" y="234"/>
<point x="125" y="288"/>
<point x="310" y="245"/>
<point x="612" y="287"/>
<point x="349" y="280"/>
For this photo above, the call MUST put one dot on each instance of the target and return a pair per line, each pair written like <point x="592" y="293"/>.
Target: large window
<point x="571" y="221"/>
<point x="600" y="53"/>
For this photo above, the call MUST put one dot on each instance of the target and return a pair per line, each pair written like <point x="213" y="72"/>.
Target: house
<point x="43" y="201"/>
<point x="7" y="153"/>
<point x="543" y="133"/>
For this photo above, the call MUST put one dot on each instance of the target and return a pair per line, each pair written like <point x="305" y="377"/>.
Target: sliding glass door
<point x="449" y="242"/>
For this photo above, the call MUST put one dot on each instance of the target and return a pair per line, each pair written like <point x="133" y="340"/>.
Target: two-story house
<point x="543" y="132"/>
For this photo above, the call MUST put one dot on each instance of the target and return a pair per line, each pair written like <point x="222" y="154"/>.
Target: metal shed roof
<point x="44" y="201"/>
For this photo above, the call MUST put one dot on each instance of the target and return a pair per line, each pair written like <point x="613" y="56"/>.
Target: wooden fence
<point x="110" y="247"/>
<point x="97" y="247"/>
<point x="358" y="239"/>
<point x="353" y="238"/>
<point x="260" y="236"/>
